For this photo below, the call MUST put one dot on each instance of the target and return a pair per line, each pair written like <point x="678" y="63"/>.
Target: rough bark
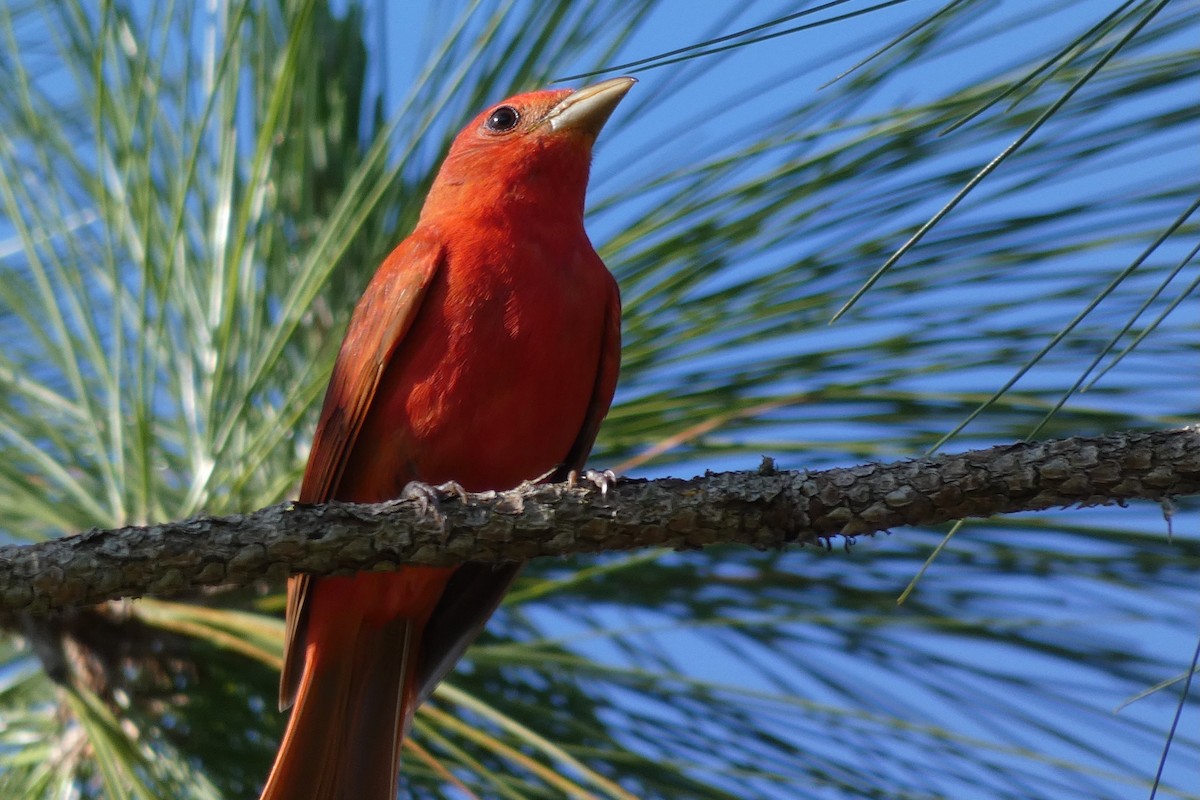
<point x="763" y="509"/>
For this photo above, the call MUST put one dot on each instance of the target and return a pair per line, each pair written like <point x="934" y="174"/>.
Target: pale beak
<point x="587" y="109"/>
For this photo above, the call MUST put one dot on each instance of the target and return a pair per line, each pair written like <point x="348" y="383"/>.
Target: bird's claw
<point x="604" y="481"/>
<point x="429" y="498"/>
<point x="454" y="488"/>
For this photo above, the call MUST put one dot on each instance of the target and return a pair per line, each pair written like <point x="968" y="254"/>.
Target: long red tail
<point x="359" y="691"/>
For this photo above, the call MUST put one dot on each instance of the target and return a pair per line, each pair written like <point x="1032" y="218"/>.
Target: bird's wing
<point x="380" y="321"/>
<point x="602" y="393"/>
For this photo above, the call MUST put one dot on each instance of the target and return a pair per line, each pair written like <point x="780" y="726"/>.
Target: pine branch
<point x="763" y="509"/>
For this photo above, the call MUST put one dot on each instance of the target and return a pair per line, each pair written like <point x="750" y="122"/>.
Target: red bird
<point x="484" y="351"/>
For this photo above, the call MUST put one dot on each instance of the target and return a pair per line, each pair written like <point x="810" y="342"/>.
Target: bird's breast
<point x="492" y="383"/>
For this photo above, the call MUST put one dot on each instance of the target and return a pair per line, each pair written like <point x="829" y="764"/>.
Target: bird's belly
<point x="490" y="387"/>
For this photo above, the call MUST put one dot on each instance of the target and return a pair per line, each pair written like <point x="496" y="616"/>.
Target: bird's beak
<point x="587" y="109"/>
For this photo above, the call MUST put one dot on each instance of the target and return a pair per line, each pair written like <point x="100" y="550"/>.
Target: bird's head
<point x="531" y="148"/>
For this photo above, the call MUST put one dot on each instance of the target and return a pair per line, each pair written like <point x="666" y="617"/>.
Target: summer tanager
<point x="484" y="351"/>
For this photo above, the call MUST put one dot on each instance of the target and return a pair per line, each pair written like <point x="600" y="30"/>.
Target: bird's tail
<point x="356" y="699"/>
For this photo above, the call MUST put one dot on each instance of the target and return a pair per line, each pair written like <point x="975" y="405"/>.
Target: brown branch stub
<point x="764" y="509"/>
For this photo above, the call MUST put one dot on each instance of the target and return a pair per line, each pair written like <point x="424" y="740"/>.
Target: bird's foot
<point x="604" y="481"/>
<point x="429" y="498"/>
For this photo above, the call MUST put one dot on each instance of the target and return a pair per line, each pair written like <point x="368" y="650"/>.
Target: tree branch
<point x="763" y="509"/>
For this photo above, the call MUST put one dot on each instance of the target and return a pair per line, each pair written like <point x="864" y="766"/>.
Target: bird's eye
<point x="504" y="118"/>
